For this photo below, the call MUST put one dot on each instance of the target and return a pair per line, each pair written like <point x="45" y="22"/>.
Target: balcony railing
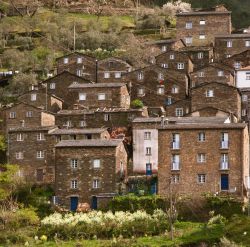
<point x="224" y="144"/>
<point x="175" y="145"/>
<point x="175" y="166"/>
<point x="224" y="165"/>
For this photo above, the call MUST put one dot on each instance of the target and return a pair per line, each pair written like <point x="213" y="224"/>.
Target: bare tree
<point x="30" y="6"/>
<point x="96" y="7"/>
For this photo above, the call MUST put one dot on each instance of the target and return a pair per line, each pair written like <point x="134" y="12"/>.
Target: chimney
<point x="162" y="121"/>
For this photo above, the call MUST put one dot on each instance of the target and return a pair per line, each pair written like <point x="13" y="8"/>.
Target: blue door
<point x="94" y="202"/>
<point x="73" y="203"/>
<point x="153" y="187"/>
<point x="148" y="169"/>
<point x="224" y="182"/>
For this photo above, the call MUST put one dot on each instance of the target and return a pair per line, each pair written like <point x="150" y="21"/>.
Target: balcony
<point x="224" y="166"/>
<point x="175" y="166"/>
<point x="175" y="145"/>
<point x="224" y="145"/>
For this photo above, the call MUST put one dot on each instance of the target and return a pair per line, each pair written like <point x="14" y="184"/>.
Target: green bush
<point x="136" y="103"/>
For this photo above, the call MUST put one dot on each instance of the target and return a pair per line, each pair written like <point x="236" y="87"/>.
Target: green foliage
<point x="2" y="142"/>
<point x="133" y="203"/>
<point x="137" y="103"/>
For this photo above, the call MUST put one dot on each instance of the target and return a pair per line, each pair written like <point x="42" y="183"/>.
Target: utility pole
<point x="74" y="44"/>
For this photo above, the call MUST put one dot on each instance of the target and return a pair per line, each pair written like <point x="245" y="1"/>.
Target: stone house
<point x="58" y="86"/>
<point x="179" y="108"/>
<point x="100" y="95"/>
<point x="213" y="72"/>
<point x="243" y="77"/>
<point x="102" y="117"/>
<point x="156" y="86"/>
<point x="198" y="28"/>
<point x="216" y="95"/>
<point x="24" y="115"/>
<point x="200" y="55"/>
<point x="175" y="60"/>
<point x="245" y="104"/>
<point x="228" y="45"/>
<point x="89" y="170"/>
<point x="78" y="64"/>
<point x="32" y="148"/>
<point x="110" y="70"/>
<point x="42" y="100"/>
<point x="203" y="156"/>
<point x="238" y="61"/>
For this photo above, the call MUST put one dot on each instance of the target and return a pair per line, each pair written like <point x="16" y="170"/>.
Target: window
<point x="65" y="60"/>
<point x="13" y="114"/>
<point x="33" y="97"/>
<point x="224" y="140"/>
<point x="79" y="60"/>
<point x="175" y="179"/>
<point x="106" y="75"/>
<point x="179" y="112"/>
<point x="201" y="74"/>
<point x="160" y="76"/>
<point x="164" y="48"/>
<point x="40" y="137"/>
<point x="29" y="113"/>
<point x="171" y="56"/>
<point x="176" y="141"/>
<point x="160" y="90"/>
<point x="79" y="72"/>
<point x="96" y="184"/>
<point x="175" y="162"/>
<point x="107" y="117"/>
<point x="140" y="76"/>
<point x="148" y="151"/>
<point x="201" y="137"/>
<point x="189" y="25"/>
<point x="74" y="163"/>
<point x="40" y="154"/>
<point x="175" y="89"/>
<point x="68" y="123"/>
<point x="188" y="40"/>
<point x="74" y="184"/>
<point x="200" y="55"/>
<point x="243" y="112"/>
<point x="229" y="43"/>
<point x="224" y="162"/>
<point x="202" y="36"/>
<point x="96" y="163"/>
<point x="140" y="92"/>
<point x="247" y="75"/>
<point x="147" y="135"/>
<point x="39" y="175"/>
<point x="201" y="158"/>
<point x="19" y="137"/>
<point x="82" y="96"/>
<point x="19" y="155"/>
<point x="220" y="73"/>
<point x="201" y="178"/>
<point x="228" y="55"/>
<point x="180" y="66"/>
<point x="169" y="101"/>
<point x="118" y="74"/>
<point x="82" y="123"/>
<point x="52" y="85"/>
<point x="247" y="43"/>
<point x="209" y="93"/>
<point x="237" y="65"/>
<point x="202" y="22"/>
<point x="244" y="97"/>
<point x="101" y="96"/>
<point x="164" y="65"/>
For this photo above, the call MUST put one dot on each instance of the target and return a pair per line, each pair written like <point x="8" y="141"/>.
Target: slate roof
<point x="89" y="143"/>
<point x="97" y="85"/>
<point x="77" y="131"/>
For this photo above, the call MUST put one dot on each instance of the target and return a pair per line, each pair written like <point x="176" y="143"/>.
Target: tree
<point x="96" y="7"/>
<point x="30" y="6"/>
<point x="171" y="8"/>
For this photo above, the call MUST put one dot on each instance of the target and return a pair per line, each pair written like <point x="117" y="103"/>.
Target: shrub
<point x="97" y="224"/>
<point x="136" y="103"/>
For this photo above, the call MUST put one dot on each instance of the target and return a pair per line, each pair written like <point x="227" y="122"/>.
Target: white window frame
<point x="202" y="36"/>
<point x="147" y="135"/>
<point x="79" y="72"/>
<point x="106" y="75"/>
<point x="141" y="92"/>
<point x="74" y="184"/>
<point x="96" y="163"/>
<point x="247" y="75"/>
<point x="82" y="96"/>
<point x="19" y="155"/>
<point x="200" y="55"/>
<point x="243" y="112"/>
<point x="29" y="114"/>
<point x="40" y="154"/>
<point x="96" y="184"/>
<point x="180" y="66"/>
<point x="118" y="75"/>
<point x="201" y="178"/>
<point x="40" y="136"/>
<point x="202" y="22"/>
<point x="148" y="151"/>
<point x="188" y="40"/>
<point x="164" y="48"/>
<point x="19" y="137"/>
<point x="224" y="161"/>
<point x="160" y="90"/>
<point x="201" y="158"/>
<point x="175" y="178"/>
<point x="201" y="74"/>
<point x="189" y="25"/>
<point x="175" y="89"/>
<point x="164" y="65"/>
<point x="209" y="93"/>
<point x="52" y="85"/>
<point x="169" y="100"/>
<point x="101" y="96"/>
<point x="83" y="123"/>
<point x="171" y="56"/>
<point x="107" y="117"/>
<point x="220" y="73"/>
<point x="244" y="97"/>
<point x="160" y="76"/>
<point x="79" y="60"/>
<point x="12" y="114"/>
<point x="66" y="60"/>
<point x="237" y="65"/>
<point x="175" y="166"/>
<point x="140" y="75"/>
<point x="229" y="43"/>
<point x="33" y="97"/>
<point x="201" y="136"/>
<point x="74" y="163"/>
<point x="247" y="43"/>
<point x="179" y="112"/>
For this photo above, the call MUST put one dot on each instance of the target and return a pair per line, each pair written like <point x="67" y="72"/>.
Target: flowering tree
<point x="171" y="8"/>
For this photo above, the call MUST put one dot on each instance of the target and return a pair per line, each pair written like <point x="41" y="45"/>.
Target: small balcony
<point x="175" y="166"/>
<point x="224" y="165"/>
<point x="224" y="144"/>
<point x="175" y="145"/>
